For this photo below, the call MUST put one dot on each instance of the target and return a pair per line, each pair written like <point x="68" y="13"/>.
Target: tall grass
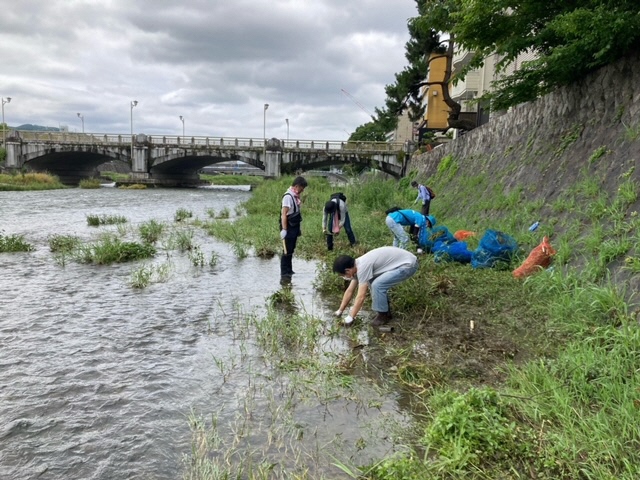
<point x="29" y="181"/>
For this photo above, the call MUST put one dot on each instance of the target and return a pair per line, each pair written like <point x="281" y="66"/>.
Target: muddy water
<point x="97" y="379"/>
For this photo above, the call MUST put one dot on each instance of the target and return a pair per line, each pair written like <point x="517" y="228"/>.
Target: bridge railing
<point x="222" y="142"/>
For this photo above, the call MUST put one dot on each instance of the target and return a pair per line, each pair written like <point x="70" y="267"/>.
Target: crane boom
<point x="351" y="97"/>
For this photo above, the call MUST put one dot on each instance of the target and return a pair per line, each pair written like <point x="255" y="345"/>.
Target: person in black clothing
<point x="335" y="216"/>
<point x="290" y="220"/>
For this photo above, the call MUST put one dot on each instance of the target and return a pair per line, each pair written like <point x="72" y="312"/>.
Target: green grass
<point x="29" y="181"/>
<point x="232" y="179"/>
<point x="98" y="220"/>
<point x="14" y="243"/>
<point x="89" y="183"/>
<point x="520" y="379"/>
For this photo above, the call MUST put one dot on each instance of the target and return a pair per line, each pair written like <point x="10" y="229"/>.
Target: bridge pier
<point x="273" y="159"/>
<point x="14" y="150"/>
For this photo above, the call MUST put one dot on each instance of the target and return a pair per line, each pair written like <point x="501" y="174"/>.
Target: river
<point x="98" y="379"/>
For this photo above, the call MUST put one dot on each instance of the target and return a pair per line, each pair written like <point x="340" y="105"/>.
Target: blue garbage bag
<point x="494" y="247"/>
<point x="451" y="252"/>
<point x="437" y="234"/>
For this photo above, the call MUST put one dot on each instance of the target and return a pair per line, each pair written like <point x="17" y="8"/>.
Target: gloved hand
<point x="283" y="233"/>
<point x="337" y="313"/>
<point x="348" y="320"/>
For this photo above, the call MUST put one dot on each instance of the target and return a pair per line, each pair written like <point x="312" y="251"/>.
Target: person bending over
<point x="377" y="270"/>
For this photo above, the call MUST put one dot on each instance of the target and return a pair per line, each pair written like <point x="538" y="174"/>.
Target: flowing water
<point x="97" y="379"/>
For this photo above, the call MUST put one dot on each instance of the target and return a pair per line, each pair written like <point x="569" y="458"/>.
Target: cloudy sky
<point x="215" y="62"/>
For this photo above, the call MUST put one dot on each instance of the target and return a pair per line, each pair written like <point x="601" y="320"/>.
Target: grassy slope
<point x="524" y="408"/>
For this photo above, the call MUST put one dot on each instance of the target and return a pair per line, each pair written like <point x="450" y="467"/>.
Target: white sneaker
<point x="420" y="251"/>
<point x="347" y="321"/>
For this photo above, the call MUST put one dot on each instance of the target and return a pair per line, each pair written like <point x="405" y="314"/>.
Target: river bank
<point x="497" y="372"/>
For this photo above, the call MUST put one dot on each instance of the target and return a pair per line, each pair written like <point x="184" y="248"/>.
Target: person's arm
<point x="343" y="213"/>
<point x="348" y="293"/>
<point x="283" y="217"/>
<point x="359" y="301"/>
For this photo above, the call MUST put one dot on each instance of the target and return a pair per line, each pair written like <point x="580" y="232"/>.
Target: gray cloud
<point x="214" y="62"/>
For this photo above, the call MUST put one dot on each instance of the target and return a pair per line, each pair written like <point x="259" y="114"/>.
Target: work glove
<point x="337" y="313"/>
<point x="283" y="233"/>
<point x="348" y="320"/>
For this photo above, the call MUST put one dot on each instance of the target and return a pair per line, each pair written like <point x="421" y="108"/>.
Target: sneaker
<point x="381" y="319"/>
<point x="420" y="251"/>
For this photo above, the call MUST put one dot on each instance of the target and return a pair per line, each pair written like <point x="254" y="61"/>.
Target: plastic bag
<point x="451" y="252"/>
<point x="463" y="234"/>
<point x="538" y="259"/>
<point x="494" y="247"/>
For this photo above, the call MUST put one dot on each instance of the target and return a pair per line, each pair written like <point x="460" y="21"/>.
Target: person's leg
<point x="329" y="241"/>
<point x="286" y="260"/>
<point x="348" y="229"/>
<point x="381" y="285"/>
<point x="425" y="207"/>
<point x="400" y="237"/>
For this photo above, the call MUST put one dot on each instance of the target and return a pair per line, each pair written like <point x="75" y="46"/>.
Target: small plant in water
<point x="196" y="256"/>
<point x="113" y="250"/>
<point x="141" y="277"/>
<point x="97" y="220"/>
<point x="151" y="231"/>
<point x="182" y="214"/>
<point x="63" y="243"/>
<point x="14" y="243"/>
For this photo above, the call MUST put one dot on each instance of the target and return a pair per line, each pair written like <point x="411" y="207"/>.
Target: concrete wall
<point x="555" y="132"/>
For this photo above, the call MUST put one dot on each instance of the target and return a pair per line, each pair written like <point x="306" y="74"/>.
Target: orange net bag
<point x="463" y="234"/>
<point x="539" y="258"/>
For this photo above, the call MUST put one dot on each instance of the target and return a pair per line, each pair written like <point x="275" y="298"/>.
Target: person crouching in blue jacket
<point x="396" y="221"/>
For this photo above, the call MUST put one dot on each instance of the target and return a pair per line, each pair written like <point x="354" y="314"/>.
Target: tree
<point x="568" y="38"/>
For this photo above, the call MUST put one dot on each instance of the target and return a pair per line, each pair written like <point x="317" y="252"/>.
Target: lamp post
<point x="287" y="120"/>
<point x="4" y="125"/>
<point x="264" y="131"/>
<point x="81" y="118"/>
<point x="133" y="104"/>
<point x="182" y="120"/>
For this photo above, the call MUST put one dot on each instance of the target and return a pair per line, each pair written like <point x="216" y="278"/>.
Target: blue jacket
<point x="411" y="217"/>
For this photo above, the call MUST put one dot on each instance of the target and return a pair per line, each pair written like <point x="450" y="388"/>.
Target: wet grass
<point x="99" y="220"/>
<point x="14" y="243"/>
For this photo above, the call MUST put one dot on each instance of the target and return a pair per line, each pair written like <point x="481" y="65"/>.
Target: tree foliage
<point x="568" y="38"/>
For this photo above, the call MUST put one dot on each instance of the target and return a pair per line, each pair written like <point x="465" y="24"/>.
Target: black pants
<point x="425" y="207"/>
<point x="347" y="228"/>
<point x="289" y="246"/>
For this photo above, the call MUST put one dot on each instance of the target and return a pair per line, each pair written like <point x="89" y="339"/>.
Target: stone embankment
<point x="587" y="130"/>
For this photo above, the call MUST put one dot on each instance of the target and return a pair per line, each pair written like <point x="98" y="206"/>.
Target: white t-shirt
<point x="381" y="260"/>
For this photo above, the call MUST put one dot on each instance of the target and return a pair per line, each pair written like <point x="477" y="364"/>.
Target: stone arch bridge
<point x="177" y="161"/>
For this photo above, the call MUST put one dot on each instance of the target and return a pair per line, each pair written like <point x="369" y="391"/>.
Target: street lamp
<point x="287" y="120"/>
<point x="4" y="125"/>
<point x="81" y="118"/>
<point x="133" y="104"/>
<point x="182" y="120"/>
<point x="264" y="130"/>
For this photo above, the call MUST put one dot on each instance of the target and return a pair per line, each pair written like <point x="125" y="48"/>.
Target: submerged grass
<point x="505" y="378"/>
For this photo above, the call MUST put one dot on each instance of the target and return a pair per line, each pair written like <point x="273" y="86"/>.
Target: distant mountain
<point x="39" y="128"/>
